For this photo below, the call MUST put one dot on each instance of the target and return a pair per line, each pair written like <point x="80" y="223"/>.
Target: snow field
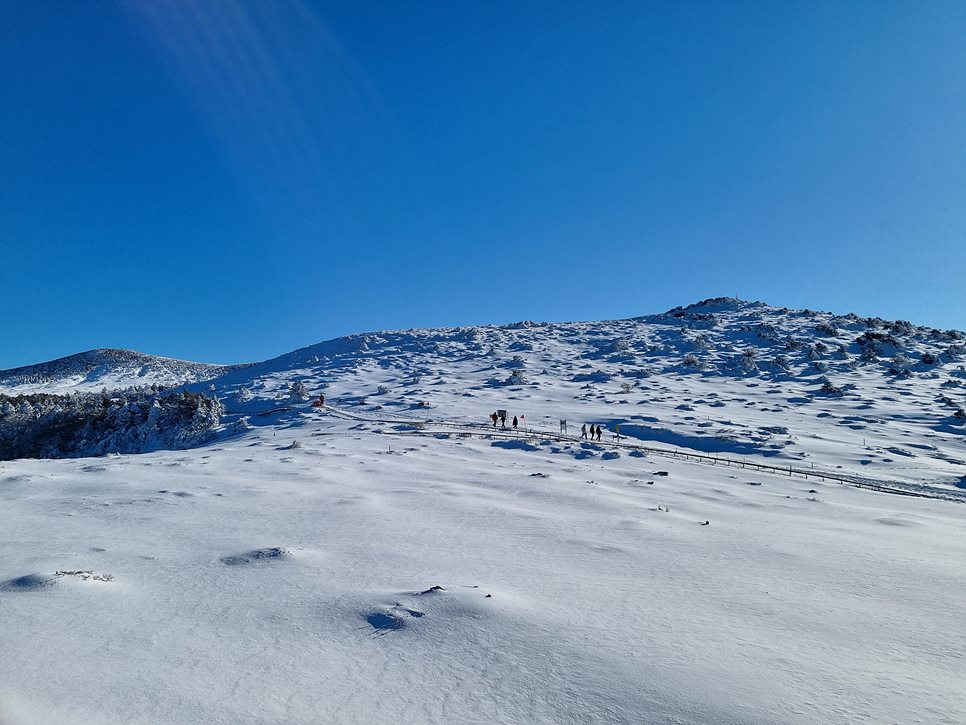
<point x="254" y="583"/>
<point x="311" y="568"/>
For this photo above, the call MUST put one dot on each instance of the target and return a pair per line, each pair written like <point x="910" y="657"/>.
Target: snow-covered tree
<point x="298" y="393"/>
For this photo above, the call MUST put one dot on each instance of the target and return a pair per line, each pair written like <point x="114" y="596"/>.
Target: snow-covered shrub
<point x="747" y="358"/>
<point x="91" y="424"/>
<point x="827" y="328"/>
<point x="955" y="352"/>
<point x="691" y="361"/>
<point x="902" y="327"/>
<point x="298" y="393"/>
<point x="900" y="361"/>
<point x="874" y="344"/>
<point x="765" y="331"/>
<point x="830" y="389"/>
<point x="929" y="358"/>
<point x="243" y="394"/>
<point x="780" y="362"/>
<point x="517" y="377"/>
<point x="523" y="325"/>
<point x="960" y="415"/>
<point x="597" y="376"/>
<point x="627" y="387"/>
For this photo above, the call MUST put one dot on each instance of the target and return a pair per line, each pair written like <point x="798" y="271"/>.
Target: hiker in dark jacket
<point x="583" y="431"/>
<point x="598" y="431"/>
<point x="514" y="422"/>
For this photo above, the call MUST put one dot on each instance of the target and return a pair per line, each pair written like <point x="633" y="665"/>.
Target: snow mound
<point x="274" y="553"/>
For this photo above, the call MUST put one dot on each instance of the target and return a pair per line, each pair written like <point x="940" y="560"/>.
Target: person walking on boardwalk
<point x="598" y="431"/>
<point x="514" y="422"/>
<point x="494" y="418"/>
<point x="583" y="431"/>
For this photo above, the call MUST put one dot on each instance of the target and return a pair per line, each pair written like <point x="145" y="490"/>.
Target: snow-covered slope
<point x="392" y="558"/>
<point x="106" y="368"/>
<point x="723" y="376"/>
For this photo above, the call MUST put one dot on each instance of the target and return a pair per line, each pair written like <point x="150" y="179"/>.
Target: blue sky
<point x="229" y="181"/>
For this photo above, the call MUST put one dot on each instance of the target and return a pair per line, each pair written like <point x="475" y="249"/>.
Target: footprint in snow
<point x="443" y="604"/>
<point x="27" y="583"/>
<point x="33" y="582"/>
<point x="396" y="617"/>
<point x="274" y="553"/>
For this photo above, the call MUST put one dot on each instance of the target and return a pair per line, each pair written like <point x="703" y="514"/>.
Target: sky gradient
<point x="228" y="181"/>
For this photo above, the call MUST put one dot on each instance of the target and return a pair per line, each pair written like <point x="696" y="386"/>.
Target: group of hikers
<point x="594" y="433"/>
<point x="501" y="416"/>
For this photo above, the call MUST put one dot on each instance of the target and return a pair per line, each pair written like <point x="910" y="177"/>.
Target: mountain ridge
<point x="189" y="372"/>
<point x="109" y="367"/>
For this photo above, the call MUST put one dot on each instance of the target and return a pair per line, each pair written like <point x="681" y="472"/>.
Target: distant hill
<point x="107" y="368"/>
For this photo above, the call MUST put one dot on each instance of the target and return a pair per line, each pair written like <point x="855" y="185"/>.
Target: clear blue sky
<point x="227" y="181"/>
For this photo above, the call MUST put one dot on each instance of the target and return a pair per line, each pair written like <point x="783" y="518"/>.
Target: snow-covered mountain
<point x="720" y="376"/>
<point x="106" y="368"/>
<point x="394" y="557"/>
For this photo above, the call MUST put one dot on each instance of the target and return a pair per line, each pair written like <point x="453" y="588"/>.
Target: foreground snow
<point x="257" y="581"/>
<point x="384" y="560"/>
